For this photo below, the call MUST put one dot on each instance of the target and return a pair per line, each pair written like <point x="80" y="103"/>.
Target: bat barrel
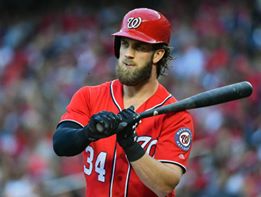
<point x="211" y="97"/>
<point x="221" y="95"/>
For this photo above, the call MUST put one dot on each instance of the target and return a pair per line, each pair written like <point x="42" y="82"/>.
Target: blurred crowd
<point x="46" y="56"/>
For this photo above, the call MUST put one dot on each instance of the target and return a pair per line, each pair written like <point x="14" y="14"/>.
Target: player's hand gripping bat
<point x="211" y="97"/>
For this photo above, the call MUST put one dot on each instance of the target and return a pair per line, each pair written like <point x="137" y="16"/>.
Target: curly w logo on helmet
<point x="134" y="23"/>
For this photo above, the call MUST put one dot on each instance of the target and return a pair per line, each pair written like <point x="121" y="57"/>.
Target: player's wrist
<point x="134" y="152"/>
<point x="85" y="133"/>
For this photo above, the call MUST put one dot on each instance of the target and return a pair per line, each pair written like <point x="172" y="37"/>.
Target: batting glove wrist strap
<point x="134" y="152"/>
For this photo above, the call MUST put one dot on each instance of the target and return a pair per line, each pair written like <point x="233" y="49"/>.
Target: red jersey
<point x="166" y="137"/>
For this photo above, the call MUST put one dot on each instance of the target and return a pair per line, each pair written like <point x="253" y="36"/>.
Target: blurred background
<point x="49" y="49"/>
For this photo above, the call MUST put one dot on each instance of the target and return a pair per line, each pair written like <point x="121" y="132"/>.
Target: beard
<point x="134" y="76"/>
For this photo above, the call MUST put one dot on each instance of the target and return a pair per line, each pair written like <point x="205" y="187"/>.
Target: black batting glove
<point x="126" y="136"/>
<point x="107" y="120"/>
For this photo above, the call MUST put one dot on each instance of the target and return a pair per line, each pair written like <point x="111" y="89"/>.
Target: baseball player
<point x="122" y="155"/>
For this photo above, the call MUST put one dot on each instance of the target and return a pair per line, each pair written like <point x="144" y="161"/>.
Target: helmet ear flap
<point x="117" y="44"/>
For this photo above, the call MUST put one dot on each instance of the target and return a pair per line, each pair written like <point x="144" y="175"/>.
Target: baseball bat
<point x="211" y="97"/>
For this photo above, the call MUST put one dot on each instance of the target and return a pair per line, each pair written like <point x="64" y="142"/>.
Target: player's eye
<point x="144" y="47"/>
<point x="124" y="43"/>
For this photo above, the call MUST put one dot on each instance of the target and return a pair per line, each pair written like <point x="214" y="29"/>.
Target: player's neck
<point x="137" y="95"/>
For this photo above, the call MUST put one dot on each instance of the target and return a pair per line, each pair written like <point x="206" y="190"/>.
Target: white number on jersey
<point x="99" y="163"/>
<point x="147" y="140"/>
<point x="99" y="166"/>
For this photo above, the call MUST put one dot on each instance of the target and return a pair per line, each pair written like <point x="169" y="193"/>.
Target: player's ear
<point x="158" y="54"/>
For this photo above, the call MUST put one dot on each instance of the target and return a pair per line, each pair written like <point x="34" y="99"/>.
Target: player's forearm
<point x="69" y="141"/>
<point x="160" y="178"/>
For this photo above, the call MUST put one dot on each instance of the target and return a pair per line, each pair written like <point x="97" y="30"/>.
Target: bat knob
<point x="99" y="127"/>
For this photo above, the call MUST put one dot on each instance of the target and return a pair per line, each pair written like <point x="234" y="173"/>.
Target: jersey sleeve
<point x="78" y="110"/>
<point x="175" y="141"/>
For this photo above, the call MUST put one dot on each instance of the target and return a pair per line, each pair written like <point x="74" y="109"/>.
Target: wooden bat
<point x="211" y="97"/>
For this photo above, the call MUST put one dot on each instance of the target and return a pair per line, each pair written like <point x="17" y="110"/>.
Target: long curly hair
<point x="162" y="65"/>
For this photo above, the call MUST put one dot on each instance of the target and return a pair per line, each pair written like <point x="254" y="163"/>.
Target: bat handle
<point x="122" y="125"/>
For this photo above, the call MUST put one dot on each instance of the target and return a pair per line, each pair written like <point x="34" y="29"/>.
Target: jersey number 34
<point x="99" y="164"/>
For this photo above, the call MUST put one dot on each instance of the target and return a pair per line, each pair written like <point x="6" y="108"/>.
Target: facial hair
<point x="134" y="76"/>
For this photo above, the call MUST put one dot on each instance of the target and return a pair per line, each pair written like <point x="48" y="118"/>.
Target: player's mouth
<point x="128" y="64"/>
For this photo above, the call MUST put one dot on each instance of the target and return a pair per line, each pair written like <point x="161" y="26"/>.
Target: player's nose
<point x="129" y="52"/>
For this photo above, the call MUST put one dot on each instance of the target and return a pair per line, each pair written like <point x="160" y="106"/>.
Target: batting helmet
<point x="145" y="25"/>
